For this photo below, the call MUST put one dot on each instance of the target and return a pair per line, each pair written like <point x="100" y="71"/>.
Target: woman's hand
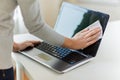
<point x="24" y="45"/>
<point x="83" y="38"/>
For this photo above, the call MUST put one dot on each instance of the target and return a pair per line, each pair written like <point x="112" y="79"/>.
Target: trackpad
<point x="44" y="57"/>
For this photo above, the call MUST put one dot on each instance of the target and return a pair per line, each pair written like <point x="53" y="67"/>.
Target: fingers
<point x="93" y="37"/>
<point x="32" y="42"/>
<point x="26" y="44"/>
<point x="84" y="30"/>
<point x="92" y="42"/>
<point x="92" y="32"/>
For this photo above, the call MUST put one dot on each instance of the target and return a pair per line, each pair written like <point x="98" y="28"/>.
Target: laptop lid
<point x="73" y="18"/>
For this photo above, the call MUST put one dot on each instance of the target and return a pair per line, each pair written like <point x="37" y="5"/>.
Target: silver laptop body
<point x="69" y="19"/>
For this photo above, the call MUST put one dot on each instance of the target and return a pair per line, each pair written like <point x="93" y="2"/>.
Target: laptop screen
<point x="68" y="20"/>
<point x="73" y="18"/>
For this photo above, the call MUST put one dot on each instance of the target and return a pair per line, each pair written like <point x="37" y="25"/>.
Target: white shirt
<point x="31" y="14"/>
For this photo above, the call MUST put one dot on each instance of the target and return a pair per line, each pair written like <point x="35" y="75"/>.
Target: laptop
<point x="71" y="19"/>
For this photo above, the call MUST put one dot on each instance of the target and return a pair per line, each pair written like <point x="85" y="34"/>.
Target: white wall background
<point x="112" y="7"/>
<point x="50" y="9"/>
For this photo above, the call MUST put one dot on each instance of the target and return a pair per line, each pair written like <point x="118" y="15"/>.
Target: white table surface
<point x="106" y="65"/>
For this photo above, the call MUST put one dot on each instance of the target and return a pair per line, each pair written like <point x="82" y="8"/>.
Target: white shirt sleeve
<point x="33" y="21"/>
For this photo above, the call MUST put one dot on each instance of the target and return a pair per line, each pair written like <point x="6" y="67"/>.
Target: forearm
<point x="36" y="25"/>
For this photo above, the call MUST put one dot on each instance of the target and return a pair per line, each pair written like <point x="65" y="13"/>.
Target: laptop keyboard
<point x="56" y="51"/>
<point x="61" y="53"/>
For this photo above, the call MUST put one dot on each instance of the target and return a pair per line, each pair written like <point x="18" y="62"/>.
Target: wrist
<point x="15" y="47"/>
<point x="68" y="43"/>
